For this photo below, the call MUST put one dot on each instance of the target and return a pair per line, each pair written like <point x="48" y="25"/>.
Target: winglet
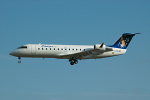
<point x="101" y="46"/>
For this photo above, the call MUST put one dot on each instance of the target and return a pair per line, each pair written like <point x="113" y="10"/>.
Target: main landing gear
<point x="73" y="61"/>
<point x="19" y="60"/>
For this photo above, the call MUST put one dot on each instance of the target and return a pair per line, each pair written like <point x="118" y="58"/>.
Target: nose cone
<point x="14" y="53"/>
<point x="11" y="53"/>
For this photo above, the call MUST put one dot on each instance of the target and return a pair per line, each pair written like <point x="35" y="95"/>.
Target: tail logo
<point x="121" y="43"/>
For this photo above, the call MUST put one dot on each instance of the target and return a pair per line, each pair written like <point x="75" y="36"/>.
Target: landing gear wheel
<point x="71" y="63"/>
<point x="19" y="60"/>
<point x="75" y="61"/>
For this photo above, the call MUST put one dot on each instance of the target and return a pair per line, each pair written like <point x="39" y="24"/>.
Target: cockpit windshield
<point x="22" y="47"/>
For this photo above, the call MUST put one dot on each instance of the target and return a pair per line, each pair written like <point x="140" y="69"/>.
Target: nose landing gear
<point x="19" y="60"/>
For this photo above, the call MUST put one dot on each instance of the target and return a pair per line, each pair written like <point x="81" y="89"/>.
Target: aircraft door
<point x="33" y="49"/>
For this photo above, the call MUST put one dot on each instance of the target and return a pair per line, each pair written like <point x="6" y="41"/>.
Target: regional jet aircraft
<point x="74" y="52"/>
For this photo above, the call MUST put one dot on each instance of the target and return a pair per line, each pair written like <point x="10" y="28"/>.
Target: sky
<point x="74" y="22"/>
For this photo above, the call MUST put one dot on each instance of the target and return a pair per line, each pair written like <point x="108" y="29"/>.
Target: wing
<point x="80" y="55"/>
<point x="84" y="54"/>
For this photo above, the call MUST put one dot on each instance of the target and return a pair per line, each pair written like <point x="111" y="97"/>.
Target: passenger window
<point x="46" y="48"/>
<point x="69" y="48"/>
<point x="42" y="48"/>
<point x="61" y="48"/>
<point x="38" y="48"/>
<point x="80" y="49"/>
<point x="58" y="48"/>
<point x="76" y="49"/>
<point x="72" y="49"/>
<point x="50" y="48"/>
<point x="54" y="48"/>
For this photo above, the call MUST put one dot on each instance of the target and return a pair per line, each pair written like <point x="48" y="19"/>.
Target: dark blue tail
<point x="124" y="41"/>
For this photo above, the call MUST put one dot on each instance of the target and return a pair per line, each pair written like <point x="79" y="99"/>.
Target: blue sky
<point x="125" y="77"/>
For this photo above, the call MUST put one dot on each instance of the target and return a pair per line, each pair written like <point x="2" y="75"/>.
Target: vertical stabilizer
<point x="124" y="40"/>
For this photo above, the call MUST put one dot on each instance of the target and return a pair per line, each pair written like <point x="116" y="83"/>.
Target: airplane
<point x="74" y="52"/>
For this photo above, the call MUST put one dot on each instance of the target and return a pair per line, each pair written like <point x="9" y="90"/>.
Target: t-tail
<point x="124" y="40"/>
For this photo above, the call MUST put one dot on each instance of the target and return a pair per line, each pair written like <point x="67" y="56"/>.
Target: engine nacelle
<point x="100" y="47"/>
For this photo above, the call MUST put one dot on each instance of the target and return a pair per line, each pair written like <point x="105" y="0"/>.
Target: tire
<point x="71" y="63"/>
<point x="76" y="61"/>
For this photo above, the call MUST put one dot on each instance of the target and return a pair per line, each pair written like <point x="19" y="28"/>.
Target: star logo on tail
<point x="122" y="45"/>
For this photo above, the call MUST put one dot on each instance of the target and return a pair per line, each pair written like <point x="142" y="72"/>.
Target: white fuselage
<point x="74" y="52"/>
<point x="58" y="51"/>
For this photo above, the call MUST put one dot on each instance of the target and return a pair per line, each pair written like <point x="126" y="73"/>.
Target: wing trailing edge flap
<point x="84" y="54"/>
